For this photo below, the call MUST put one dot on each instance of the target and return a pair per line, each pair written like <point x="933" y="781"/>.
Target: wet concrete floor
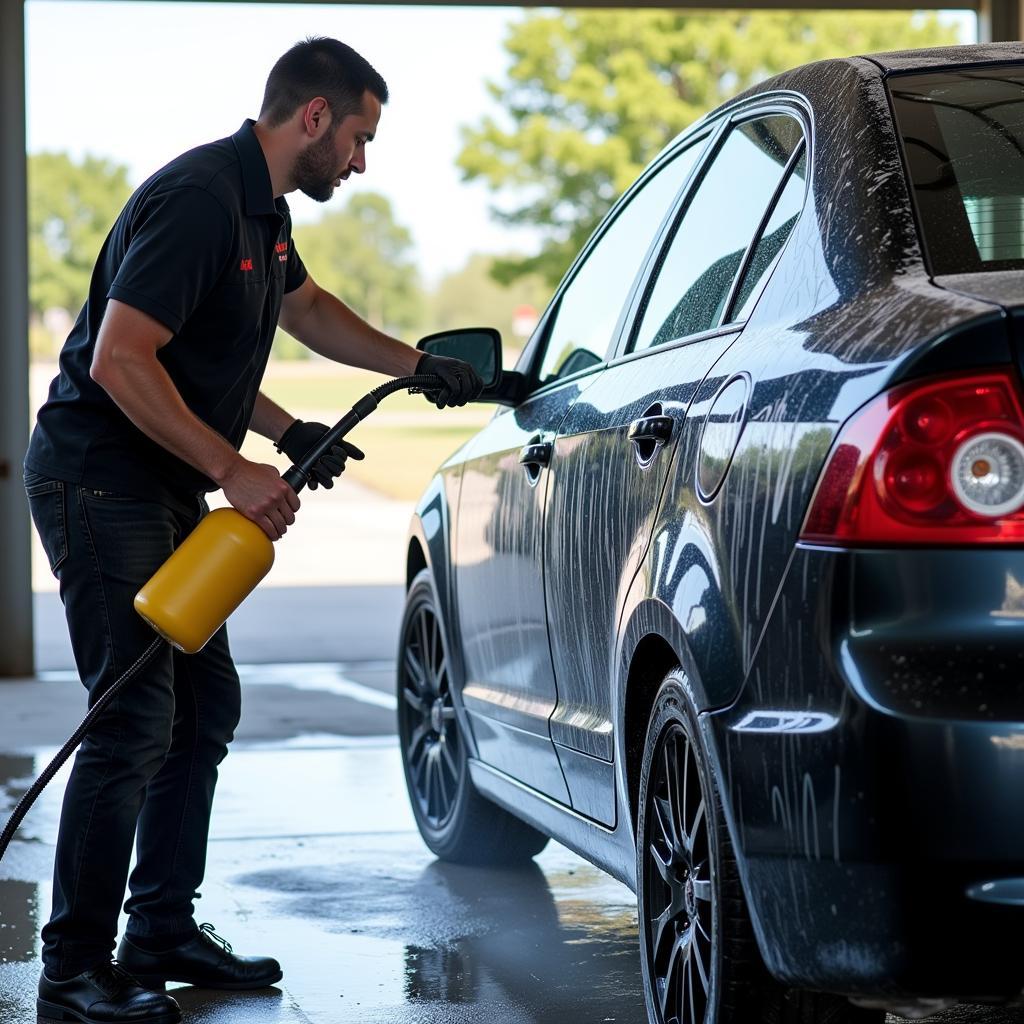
<point x="314" y="858"/>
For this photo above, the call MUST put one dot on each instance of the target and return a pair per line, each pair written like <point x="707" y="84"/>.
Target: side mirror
<point x="478" y="346"/>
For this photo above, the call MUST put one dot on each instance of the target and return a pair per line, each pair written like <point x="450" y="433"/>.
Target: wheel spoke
<point x="661" y="922"/>
<point x="442" y="673"/>
<point x="684" y="803"/>
<point x="413" y="669"/>
<point x="450" y="761"/>
<point x="690" y="838"/>
<point x="435" y="788"/>
<point x="662" y="818"/>
<point x="677" y="801"/>
<point x="673" y="979"/>
<point x="413" y="700"/>
<point x="421" y="774"/>
<point x="670" y="790"/>
<point x="662" y="987"/>
<point x="665" y="987"/>
<point x="422" y="630"/>
<point x="419" y="734"/>
<point x="702" y="890"/>
<point x="442" y="789"/>
<point x="433" y="648"/>
<point x="661" y="863"/>
<point x="448" y="714"/>
<point x="696" y="958"/>
<point x="689" y="989"/>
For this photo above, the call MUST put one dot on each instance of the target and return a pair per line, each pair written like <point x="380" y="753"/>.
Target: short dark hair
<point x="319" y="66"/>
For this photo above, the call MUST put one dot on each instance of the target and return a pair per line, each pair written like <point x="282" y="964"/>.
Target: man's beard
<point x="313" y="171"/>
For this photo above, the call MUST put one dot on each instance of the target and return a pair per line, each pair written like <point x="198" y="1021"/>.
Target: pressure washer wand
<point x="192" y="594"/>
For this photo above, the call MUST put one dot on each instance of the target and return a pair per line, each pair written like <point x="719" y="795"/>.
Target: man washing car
<point x="158" y="384"/>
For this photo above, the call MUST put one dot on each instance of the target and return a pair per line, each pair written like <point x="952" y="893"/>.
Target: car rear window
<point x="963" y="136"/>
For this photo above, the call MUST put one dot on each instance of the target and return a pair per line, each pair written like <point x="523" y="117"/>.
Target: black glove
<point x="300" y="437"/>
<point x="461" y="382"/>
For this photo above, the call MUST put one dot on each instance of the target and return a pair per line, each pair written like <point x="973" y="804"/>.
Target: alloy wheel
<point x="677" y="880"/>
<point x="430" y="732"/>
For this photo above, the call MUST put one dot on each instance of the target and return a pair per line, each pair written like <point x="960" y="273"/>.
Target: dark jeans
<point x="150" y="762"/>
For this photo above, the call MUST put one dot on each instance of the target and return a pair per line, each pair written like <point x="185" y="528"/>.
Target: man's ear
<point x="316" y="117"/>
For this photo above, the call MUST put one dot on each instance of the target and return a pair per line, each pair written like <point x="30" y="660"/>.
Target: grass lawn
<point x="400" y="458"/>
<point x="323" y="387"/>
<point x="400" y="461"/>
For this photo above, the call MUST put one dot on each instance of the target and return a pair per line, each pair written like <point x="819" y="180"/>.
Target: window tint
<point x="590" y="305"/>
<point x="773" y="238"/>
<point x="963" y="135"/>
<point x="696" y="274"/>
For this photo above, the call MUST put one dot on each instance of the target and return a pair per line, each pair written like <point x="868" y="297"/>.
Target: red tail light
<point x="939" y="461"/>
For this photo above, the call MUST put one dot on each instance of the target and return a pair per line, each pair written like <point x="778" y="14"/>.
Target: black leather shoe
<point x="206" y="960"/>
<point x="108" y="994"/>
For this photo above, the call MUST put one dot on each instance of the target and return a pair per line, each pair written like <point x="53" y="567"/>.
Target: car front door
<point x="509" y="689"/>
<point x="615" y="444"/>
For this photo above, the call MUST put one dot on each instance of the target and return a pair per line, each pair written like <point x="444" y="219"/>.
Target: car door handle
<point x="538" y="454"/>
<point x="652" y="428"/>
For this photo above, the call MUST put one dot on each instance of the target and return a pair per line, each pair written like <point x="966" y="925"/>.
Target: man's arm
<point x="326" y="325"/>
<point x="269" y="419"/>
<point x="125" y="365"/>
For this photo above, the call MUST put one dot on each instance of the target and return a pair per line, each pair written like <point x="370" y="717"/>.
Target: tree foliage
<point x="592" y="96"/>
<point x="71" y="208"/>
<point x="364" y="256"/>
<point x="471" y="297"/>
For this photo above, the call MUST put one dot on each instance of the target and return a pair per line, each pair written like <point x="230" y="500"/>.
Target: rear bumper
<point x="873" y="771"/>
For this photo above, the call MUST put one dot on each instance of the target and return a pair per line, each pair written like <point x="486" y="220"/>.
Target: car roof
<point x="883" y="63"/>
<point x="869" y="65"/>
<point x="947" y="56"/>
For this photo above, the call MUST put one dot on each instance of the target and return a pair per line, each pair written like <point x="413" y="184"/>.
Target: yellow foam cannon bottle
<point x="222" y="560"/>
<point x="209" y="575"/>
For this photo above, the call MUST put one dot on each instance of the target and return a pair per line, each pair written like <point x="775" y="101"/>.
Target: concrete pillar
<point x="1000" y="21"/>
<point x="15" y="526"/>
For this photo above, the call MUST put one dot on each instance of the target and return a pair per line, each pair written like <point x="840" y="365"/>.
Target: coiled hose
<point x="297" y="476"/>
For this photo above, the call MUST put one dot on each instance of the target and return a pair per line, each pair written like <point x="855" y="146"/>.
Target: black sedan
<point x="729" y="594"/>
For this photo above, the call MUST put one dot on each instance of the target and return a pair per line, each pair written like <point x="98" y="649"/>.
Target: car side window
<point x="590" y="305"/>
<point x="697" y="271"/>
<point x="773" y="238"/>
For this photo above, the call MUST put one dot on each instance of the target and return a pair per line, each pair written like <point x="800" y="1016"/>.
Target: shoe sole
<point x="158" y="983"/>
<point x="51" y="1011"/>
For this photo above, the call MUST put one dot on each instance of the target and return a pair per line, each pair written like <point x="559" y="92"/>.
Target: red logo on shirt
<point x="246" y="265"/>
<point x="282" y="251"/>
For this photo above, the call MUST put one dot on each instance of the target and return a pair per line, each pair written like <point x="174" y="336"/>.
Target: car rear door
<point x="614" y="447"/>
<point x="509" y="686"/>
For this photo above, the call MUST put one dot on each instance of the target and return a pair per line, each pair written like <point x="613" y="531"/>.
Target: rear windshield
<point x="963" y="136"/>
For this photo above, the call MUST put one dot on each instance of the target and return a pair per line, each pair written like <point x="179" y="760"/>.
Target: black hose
<point x="76" y="737"/>
<point x="297" y="477"/>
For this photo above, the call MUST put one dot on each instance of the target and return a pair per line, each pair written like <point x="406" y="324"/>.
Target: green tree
<point x="71" y="208"/>
<point x="363" y="255"/>
<point x="471" y="297"/>
<point x="592" y="96"/>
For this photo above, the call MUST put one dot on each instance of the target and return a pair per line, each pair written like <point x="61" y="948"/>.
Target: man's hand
<point x="260" y="493"/>
<point x="461" y="382"/>
<point x="301" y="436"/>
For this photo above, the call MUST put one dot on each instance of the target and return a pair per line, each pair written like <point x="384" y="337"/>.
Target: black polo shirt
<point x="205" y="248"/>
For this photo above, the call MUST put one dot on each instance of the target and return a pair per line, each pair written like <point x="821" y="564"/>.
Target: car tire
<point x="698" y="955"/>
<point x="455" y="821"/>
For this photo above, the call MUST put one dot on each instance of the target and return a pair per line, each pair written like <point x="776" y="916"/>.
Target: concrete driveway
<point x="315" y="859"/>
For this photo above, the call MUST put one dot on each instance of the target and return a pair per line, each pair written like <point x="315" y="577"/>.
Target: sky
<point x="142" y="82"/>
